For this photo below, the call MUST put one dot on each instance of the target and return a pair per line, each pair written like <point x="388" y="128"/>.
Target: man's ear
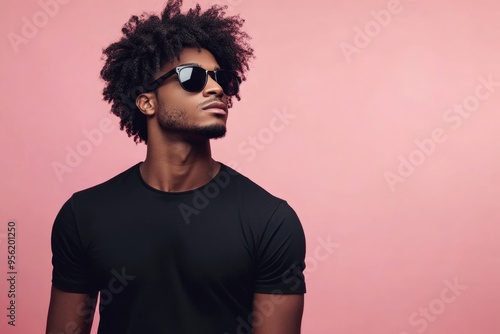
<point x="147" y="103"/>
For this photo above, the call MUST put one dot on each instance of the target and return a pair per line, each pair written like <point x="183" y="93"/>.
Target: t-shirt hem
<point x="71" y="289"/>
<point x="280" y="292"/>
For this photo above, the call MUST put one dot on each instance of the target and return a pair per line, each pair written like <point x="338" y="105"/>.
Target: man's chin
<point x="212" y="131"/>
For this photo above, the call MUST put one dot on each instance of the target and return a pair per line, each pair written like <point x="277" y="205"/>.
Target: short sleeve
<point x="70" y="270"/>
<point x="281" y="254"/>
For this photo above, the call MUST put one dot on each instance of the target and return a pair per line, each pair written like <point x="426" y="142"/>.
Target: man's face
<point x="192" y="114"/>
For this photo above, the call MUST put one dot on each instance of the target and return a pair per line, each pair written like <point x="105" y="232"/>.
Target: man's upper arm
<point x="73" y="296"/>
<point x="281" y="254"/>
<point x="277" y="314"/>
<point x="280" y="284"/>
<point x="70" y="312"/>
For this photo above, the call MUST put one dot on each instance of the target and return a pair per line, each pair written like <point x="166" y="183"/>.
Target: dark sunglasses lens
<point x="228" y="81"/>
<point x="192" y="79"/>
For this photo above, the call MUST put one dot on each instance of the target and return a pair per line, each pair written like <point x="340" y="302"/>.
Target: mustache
<point x="211" y="100"/>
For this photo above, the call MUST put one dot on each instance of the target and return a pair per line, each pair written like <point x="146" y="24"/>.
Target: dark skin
<point x="64" y="316"/>
<point x="179" y="159"/>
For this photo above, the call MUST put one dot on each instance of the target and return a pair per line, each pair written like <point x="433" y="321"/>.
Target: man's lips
<point x="216" y="108"/>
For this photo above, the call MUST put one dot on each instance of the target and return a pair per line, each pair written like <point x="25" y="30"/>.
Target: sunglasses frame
<point x="213" y="74"/>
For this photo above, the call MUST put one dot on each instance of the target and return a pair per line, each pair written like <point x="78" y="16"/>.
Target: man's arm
<point x="277" y="314"/>
<point x="70" y="312"/>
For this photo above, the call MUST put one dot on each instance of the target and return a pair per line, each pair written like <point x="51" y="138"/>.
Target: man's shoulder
<point x="118" y="183"/>
<point x="249" y="189"/>
<point x="259" y="207"/>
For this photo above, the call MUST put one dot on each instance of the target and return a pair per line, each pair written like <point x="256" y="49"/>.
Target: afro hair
<point x="150" y="41"/>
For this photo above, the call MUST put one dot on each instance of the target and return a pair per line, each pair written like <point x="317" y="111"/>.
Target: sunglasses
<point x="194" y="78"/>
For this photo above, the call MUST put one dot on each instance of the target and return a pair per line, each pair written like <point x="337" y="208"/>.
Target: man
<point x="179" y="243"/>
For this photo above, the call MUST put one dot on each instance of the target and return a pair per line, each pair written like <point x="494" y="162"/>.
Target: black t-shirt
<point x="184" y="262"/>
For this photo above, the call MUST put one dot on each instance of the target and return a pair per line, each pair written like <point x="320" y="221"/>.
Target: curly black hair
<point x="151" y="41"/>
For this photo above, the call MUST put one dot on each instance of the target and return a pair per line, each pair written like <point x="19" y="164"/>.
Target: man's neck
<point x="178" y="166"/>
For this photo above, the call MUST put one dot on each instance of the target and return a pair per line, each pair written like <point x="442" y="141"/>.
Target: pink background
<point x="353" y="118"/>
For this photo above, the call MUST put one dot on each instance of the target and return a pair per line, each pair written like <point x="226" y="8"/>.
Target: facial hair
<point x="176" y="120"/>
